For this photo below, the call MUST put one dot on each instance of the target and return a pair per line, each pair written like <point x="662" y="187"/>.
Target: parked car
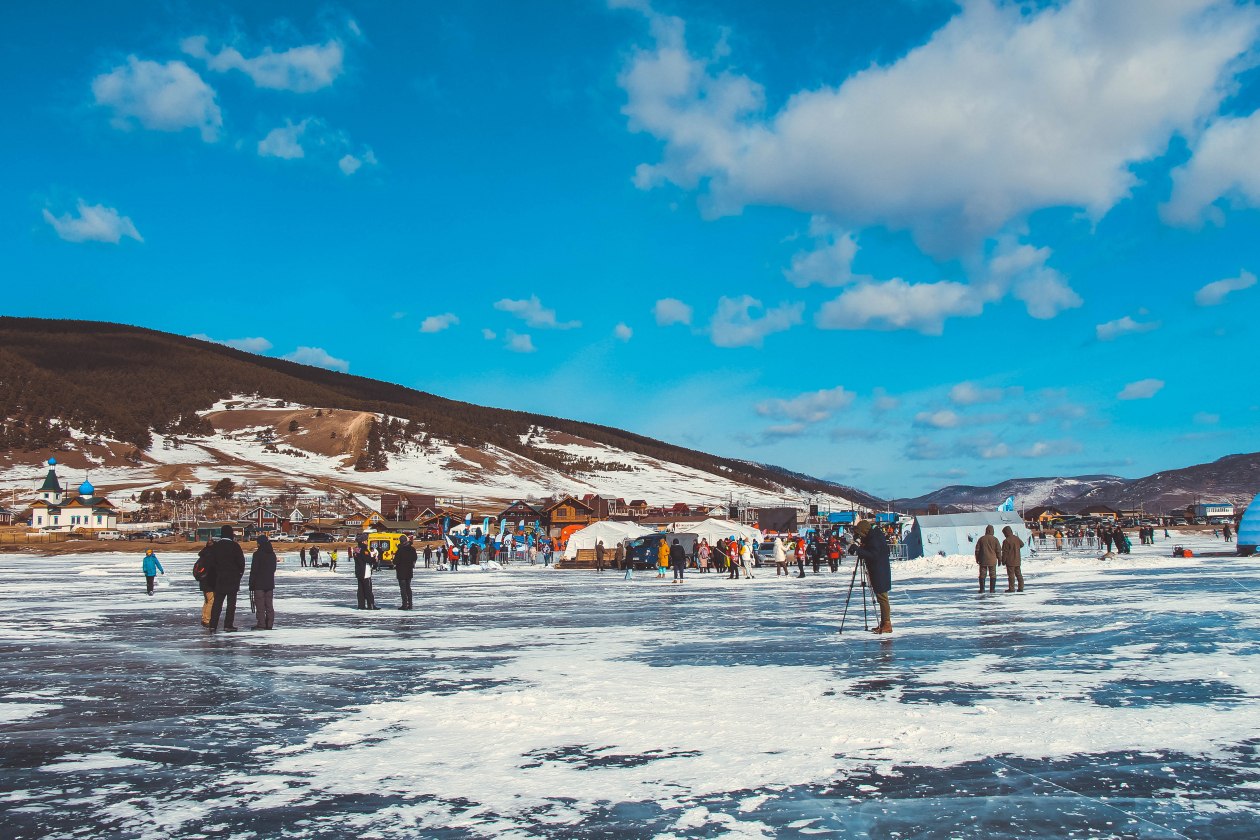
<point x="109" y="535"/>
<point x="319" y="537"/>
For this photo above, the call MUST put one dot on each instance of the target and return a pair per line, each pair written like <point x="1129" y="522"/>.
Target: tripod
<point x="859" y="579"/>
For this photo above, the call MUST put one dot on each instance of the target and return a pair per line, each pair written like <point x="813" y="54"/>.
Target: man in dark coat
<point x="677" y="560"/>
<point x="1011" y="558"/>
<point x="873" y="549"/>
<point x="203" y="570"/>
<point x="262" y="583"/>
<point x="228" y="564"/>
<point x="363" y="566"/>
<point x="988" y="552"/>
<point x="405" y="567"/>
<point x="599" y="556"/>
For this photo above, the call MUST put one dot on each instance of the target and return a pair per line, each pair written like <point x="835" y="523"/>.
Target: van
<point x="110" y="535"/>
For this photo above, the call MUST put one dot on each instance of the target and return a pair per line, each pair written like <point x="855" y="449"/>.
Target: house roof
<point x="567" y="500"/>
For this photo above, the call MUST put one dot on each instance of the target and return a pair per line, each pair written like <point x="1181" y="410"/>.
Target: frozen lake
<point x="1109" y="699"/>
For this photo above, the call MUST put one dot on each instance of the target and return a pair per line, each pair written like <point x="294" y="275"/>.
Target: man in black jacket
<point x="677" y="560"/>
<point x="405" y="567"/>
<point x="873" y="549"/>
<point x="363" y="566"/>
<point x="228" y="564"/>
<point x="203" y="571"/>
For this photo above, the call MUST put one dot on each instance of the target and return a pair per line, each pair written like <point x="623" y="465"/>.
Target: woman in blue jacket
<point x="152" y="567"/>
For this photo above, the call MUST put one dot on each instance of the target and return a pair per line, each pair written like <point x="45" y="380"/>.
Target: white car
<point x="110" y="535"/>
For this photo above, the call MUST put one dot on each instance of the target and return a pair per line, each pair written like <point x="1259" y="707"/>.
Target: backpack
<point x="200" y="569"/>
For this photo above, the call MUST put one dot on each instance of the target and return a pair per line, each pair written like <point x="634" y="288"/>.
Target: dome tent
<point x="719" y="529"/>
<point x="1249" y="529"/>
<point x="611" y="532"/>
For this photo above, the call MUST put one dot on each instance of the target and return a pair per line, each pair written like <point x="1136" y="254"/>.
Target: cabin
<point x="263" y="518"/>
<point x="403" y="506"/>
<point x="568" y="511"/>
<point x="1099" y="512"/>
<point x="7" y="516"/>
<point x="1043" y="514"/>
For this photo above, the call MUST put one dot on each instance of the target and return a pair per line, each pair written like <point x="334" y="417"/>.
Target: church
<point x="56" y="509"/>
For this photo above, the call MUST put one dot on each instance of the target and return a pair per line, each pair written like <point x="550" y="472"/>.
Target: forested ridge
<point x="127" y="382"/>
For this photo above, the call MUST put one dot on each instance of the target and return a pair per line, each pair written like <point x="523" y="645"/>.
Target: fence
<point x="32" y="539"/>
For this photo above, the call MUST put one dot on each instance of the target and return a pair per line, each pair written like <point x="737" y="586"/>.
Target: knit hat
<point x="862" y="528"/>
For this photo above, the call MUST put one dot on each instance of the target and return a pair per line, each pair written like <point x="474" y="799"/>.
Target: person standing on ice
<point x="151" y="567"/>
<point x="619" y="556"/>
<point x="302" y="554"/>
<point x="404" y="568"/>
<point x="780" y="557"/>
<point x="988" y="552"/>
<point x="677" y="560"/>
<point x="599" y="556"/>
<point x="227" y="561"/>
<point x="363" y="577"/>
<point x="873" y="549"/>
<point x="1012" y="559"/>
<point x="332" y="560"/>
<point x="745" y="558"/>
<point x="203" y="572"/>
<point x="262" y="584"/>
<point x="314" y="557"/>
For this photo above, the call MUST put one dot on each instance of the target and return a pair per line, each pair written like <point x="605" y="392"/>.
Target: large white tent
<point x="609" y="531"/>
<point x="719" y="529"/>
<point x="1249" y="528"/>
<point x="956" y="533"/>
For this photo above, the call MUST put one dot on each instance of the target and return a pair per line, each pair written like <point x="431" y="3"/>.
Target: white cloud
<point x="969" y="393"/>
<point x="488" y="334"/>
<point x="1123" y="326"/>
<point x="351" y="164"/>
<point x="533" y="313"/>
<point x="161" y="97"/>
<point x="734" y="325"/>
<point x="623" y="332"/>
<point x="519" y="343"/>
<point x="299" y="69"/>
<point x="943" y="419"/>
<point x="1143" y="389"/>
<point x="813" y="407"/>
<point x="249" y="345"/>
<point x="829" y="263"/>
<point x="1005" y="110"/>
<point x="285" y="141"/>
<point x="317" y="357"/>
<point x="1204" y="418"/>
<point x="437" y="323"/>
<point x="1213" y="294"/>
<point x="95" y="223"/>
<point x="882" y="401"/>
<point x="670" y="311"/>
<point x="1223" y="165"/>
<point x="1022" y="268"/>
<point x="896" y="304"/>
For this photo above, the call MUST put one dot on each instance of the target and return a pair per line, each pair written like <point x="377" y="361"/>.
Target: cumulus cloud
<point x="519" y="343"/>
<point x="734" y="324"/>
<point x="829" y="262"/>
<point x="813" y="407"/>
<point x="350" y="164"/>
<point x="313" y="138"/>
<point x="1123" y="326"/>
<point x="991" y="450"/>
<point x="1143" y="389"/>
<point x="882" y="401"/>
<point x="533" y="313"/>
<point x="488" y="334"/>
<point x="249" y="345"/>
<point x="969" y="393"/>
<point x="670" y="311"/>
<point x="284" y="141"/>
<point x="161" y="97"/>
<point x="94" y="223"/>
<point x="1004" y="110"/>
<point x="1223" y="164"/>
<point x="623" y="332"/>
<point x="1022" y="268"/>
<point x="299" y="69"/>
<point x="317" y="357"/>
<point x="437" y="323"/>
<point x="1213" y="294"/>
<point x="896" y="304"/>
<point x="942" y="419"/>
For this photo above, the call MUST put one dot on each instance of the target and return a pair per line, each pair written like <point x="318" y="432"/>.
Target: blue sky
<point x="894" y="244"/>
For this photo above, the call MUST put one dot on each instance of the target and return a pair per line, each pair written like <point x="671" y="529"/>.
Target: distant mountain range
<point x="1234" y="478"/>
<point x="147" y="409"/>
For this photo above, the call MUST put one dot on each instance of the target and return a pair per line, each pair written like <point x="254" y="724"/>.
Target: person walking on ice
<point x="988" y="552"/>
<point x="152" y="567"/>
<point x="1011" y="559"/>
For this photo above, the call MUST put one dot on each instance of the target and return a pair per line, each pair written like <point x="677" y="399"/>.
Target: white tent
<point x="956" y="533"/>
<point x="610" y="532"/>
<point x="719" y="529"/>
<point x="1249" y="528"/>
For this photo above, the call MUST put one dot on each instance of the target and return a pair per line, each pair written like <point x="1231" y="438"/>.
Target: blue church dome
<point x="52" y="462"/>
<point x="86" y="489"/>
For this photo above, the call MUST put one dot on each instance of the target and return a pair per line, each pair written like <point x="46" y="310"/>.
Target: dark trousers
<point x="148" y="582"/>
<point x="835" y="563"/>
<point x="229" y="619"/>
<point x="800" y="567"/>
<point x="404" y="587"/>
<point x="264" y="609"/>
<point x="678" y="572"/>
<point x="991" y="573"/>
<point x="817" y="560"/>
<point x="367" y="601"/>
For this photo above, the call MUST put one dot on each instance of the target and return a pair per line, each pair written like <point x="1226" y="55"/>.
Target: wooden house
<point x="568" y="511"/>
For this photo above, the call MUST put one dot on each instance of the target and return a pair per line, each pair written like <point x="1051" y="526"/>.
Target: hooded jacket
<point x="152" y="565"/>
<point x="262" y="567"/>
<point x="1010" y="547"/>
<point x="874" y="551"/>
<point x="405" y="561"/>
<point x="988" y="549"/>
<point x="677" y="556"/>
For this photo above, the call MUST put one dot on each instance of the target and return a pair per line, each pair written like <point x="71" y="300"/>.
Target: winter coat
<point x="152" y="565"/>
<point x="599" y="552"/>
<point x="362" y="562"/>
<point x="874" y="553"/>
<point x="620" y="554"/>
<point x="1010" y="547"/>
<point x="780" y="555"/>
<point x="262" y="569"/>
<point x="677" y="556"/>
<point x="988" y="549"/>
<point x="206" y="558"/>
<point x="227" y="563"/>
<point x="662" y="554"/>
<point x="405" y="561"/>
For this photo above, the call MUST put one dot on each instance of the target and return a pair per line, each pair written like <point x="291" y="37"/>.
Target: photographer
<point x="872" y="547"/>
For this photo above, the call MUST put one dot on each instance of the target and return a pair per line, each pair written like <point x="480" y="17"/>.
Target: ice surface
<point x="1109" y="699"/>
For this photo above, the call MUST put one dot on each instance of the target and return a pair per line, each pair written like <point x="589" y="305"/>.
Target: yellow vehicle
<point x="386" y="543"/>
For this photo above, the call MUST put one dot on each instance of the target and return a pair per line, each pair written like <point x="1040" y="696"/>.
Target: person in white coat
<point x="780" y="558"/>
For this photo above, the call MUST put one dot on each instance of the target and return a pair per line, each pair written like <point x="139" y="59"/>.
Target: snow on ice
<point x="1112" y="698"/>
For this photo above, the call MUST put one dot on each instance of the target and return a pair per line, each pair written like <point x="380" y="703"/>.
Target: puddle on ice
<point x="1111" y="700"/>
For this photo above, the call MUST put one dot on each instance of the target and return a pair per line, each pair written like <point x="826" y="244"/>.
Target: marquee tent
<point x="956" y="533"/>
<point x="719" y="529"/>
<point x="1249" y="529"/>
<point x="610" y="532"/>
